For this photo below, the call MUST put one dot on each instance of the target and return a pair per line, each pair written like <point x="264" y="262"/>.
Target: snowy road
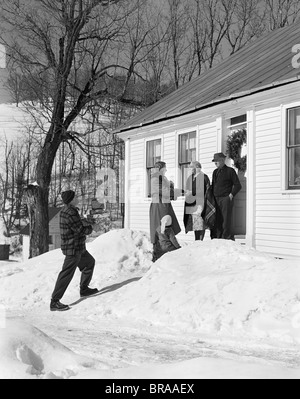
<point x="118" y="345"/>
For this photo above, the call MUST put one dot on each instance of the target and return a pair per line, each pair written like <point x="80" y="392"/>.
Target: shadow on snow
<point x="108" y="289"/>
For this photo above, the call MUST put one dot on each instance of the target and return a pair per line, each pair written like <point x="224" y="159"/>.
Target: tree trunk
<point x="38" y="195"/>
<point x="37" y="202"/>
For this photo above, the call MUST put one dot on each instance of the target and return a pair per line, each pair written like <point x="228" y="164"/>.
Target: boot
<point x="86" y="292"/>
<point x="56" y="306"/>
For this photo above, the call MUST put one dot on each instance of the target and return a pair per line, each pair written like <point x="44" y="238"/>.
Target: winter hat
<point x="68" y="196"/>
<point x="166" y="222"/>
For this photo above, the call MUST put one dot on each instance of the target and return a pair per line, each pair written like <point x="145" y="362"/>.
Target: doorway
<point x="239" y="222"/>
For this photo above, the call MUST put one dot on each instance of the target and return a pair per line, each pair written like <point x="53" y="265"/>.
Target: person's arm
<point x="206" y="183"/>
<point x="236" y="184"/>
<point x="77" y="225"/>
<point x="159" y="189"/>
<point x="189" y="197"/>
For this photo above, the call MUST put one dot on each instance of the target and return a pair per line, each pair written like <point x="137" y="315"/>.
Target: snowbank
<point x="216" y="288"/>
<point x="121" y="252"/>
<point x="120" y="255"/>
<point x="220" y="288"/>
<point x="26" y="352"/>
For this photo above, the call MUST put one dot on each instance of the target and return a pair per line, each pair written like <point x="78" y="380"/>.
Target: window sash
<point x="294" y="168"/>
<point x="154" y="148"/>
<point x="187" y="154"/>
<point x="187" y="148"/>
<point x="153" y="153"/>
<point x="293" y="148"/>
<point x="294" y="127"/>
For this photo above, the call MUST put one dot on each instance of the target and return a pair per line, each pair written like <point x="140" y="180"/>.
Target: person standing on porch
<point x="162" y="193"/>
<point x="226" y="185"/>
<point x="196" y="187"/>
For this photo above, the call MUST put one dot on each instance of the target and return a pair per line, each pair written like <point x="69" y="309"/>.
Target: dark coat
<point x="167" y="241"/>
<point x="162" y="191"/>
<point x="226" y="182"/>
<point x="164" y="243"/>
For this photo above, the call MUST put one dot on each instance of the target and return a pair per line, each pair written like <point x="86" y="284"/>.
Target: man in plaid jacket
<point x="73" y="237"/>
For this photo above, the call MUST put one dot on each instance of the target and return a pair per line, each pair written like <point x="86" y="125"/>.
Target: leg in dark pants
<point x="217" y="230"/>
<point x="199" y="235"/>
<point x="86" y="264"/>
<point x="65" y="276"/>
<point x="224" y="218"/>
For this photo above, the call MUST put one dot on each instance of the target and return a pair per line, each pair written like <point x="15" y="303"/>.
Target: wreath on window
<point x="235" y="144"/>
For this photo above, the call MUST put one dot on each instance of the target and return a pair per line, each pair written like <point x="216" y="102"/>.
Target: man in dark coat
<point x="73" y="237"/>
<point x="226" y="185"/>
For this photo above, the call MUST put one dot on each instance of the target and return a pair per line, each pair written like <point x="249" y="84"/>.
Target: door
<point x="234" y="125"/>
<point x="240" y="208"/>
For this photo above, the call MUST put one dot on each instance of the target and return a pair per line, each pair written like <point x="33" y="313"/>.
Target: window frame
<point x="288" y="148"/>
<point x="181" y="165"/>
<point x="148" y="168"/>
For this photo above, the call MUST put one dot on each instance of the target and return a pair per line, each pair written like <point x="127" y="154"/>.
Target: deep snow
<point x="210" y="310"/>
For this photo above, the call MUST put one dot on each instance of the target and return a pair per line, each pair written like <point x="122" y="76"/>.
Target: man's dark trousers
<point x="223" y="228"/>
<point x="86" y="264"/>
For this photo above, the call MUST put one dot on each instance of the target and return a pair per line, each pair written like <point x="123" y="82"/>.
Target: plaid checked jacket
<point x="73" y="231"/>
<point x="209" y="213"/>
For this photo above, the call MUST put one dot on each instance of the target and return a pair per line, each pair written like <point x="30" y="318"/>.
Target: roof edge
<point x="223" y="100"/>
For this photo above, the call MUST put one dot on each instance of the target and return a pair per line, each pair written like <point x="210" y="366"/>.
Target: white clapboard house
<point x="257" y="89"/>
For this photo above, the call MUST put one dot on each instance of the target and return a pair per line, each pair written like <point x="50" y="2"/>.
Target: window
<point x="293" y="148"/>
<point x="239" y="120"/>
<point x="187" y="154"/>
<point x="50" y="240"/>
<point x="153" y="156"/>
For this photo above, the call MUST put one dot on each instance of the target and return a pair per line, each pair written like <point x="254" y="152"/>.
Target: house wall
<point x="273" y="214"/>
<point x="138" y="205"/>
<point x="277" y="210"/>
<point x="54" y="231"/>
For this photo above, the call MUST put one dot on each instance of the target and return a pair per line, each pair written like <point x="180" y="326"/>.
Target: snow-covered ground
<point x="210" y="310"/>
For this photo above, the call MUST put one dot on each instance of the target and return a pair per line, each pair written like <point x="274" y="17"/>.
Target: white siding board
<point x="279" y="251"/>
<point x="285" y="235"/>
<point x="277" y="215"/>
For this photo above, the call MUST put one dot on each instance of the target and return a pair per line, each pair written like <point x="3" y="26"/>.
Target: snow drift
<point x="218" y="288"/>
<point x="26" y="352"/>
<point x="119" y="255"/>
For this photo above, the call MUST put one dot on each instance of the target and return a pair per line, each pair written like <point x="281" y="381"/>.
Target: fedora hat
<point x="219" y="156"/>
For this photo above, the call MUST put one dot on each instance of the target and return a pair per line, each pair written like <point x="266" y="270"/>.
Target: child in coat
<point x="165" y="238"/>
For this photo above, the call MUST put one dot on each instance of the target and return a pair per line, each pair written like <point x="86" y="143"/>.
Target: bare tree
<point x="177" y="20"/>
<point x="247" y="23"/>
<point x="13" y="182"/>
<point x="281" y="13"/>
<point x="68" y="47"/>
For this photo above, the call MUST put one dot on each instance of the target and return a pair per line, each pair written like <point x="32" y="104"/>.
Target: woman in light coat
<point x="196" y="187"/>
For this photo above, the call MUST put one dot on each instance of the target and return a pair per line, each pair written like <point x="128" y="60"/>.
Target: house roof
<point x="265" y="64"/>
<point x="52" y="213"/>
